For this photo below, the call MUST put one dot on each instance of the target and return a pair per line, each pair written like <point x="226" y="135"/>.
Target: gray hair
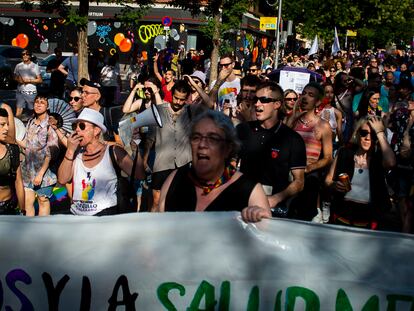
<point x="224" y="123"/>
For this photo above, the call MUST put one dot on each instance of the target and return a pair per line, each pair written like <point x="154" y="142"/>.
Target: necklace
<point x="207" y="188"/>
<point x="361" y="162"/>
<point x="93" y="154"/>
<point x="306" y="122"/>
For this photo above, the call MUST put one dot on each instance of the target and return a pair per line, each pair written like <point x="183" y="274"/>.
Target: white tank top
<point x="360" y="187"/>
<point x="94" y="189"/>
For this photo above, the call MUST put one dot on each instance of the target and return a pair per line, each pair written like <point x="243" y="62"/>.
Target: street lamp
<point x="279" y="17"/>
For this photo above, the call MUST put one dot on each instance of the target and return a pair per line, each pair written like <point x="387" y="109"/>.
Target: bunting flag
<point x="315" y="47"/>
<point x="335" y="45"/>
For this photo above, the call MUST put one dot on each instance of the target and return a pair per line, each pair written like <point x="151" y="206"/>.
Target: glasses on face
<point x="25" y="53"/>
<point x="88" y="93"/>
<point x="332" y="70"/>
<point x="224" y="65"/>
<point x="363" y="133"/>
<point x="81" y="126"/>
<point x="264" y="99"/>
<point x="212" y="140"/>
<point x="289" y="99"/>
<point x="147" y="89"/>
<point x="74" y="98"/>
<point x="252" y="70"/>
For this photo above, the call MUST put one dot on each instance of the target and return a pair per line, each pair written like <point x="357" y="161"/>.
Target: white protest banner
<point x="200" y="261"/>
<point x="293" y="80"/>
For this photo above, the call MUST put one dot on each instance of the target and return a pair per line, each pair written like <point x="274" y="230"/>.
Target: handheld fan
<point x="63" y="111"/>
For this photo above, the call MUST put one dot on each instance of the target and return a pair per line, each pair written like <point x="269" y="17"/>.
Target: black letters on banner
<point x="128" y="298"/>
<point x="85" y="304"/>
<point x="53" y="294"/>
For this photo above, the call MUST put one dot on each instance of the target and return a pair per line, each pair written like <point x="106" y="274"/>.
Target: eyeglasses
<point x="25" y="53"/>
<point x="213" y="140"/>
<point x="332" y="70"/>
<point x="88" y="93"/>
<point x="147" y="89"/>
<point x="264" y="99"/>
<point x="81" y="126"/>
<point x="75" y="98"/>
<point x="363" y="133"/>
<point x="225" y="65"/>
<point x="289" y="99"/>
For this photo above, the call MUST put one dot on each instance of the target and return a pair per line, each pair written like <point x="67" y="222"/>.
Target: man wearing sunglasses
<point x="88" y="165"/>
<point x="227" y="86"/>
<point x="27" y="75"/>
<point x="271" y="151"/>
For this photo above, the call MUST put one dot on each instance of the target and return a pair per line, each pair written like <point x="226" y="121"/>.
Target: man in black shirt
<point x="272" y="153"/>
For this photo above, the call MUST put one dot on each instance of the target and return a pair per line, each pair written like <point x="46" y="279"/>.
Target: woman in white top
<point x="331" y="114"/>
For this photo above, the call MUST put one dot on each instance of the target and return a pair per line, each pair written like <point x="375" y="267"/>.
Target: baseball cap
<point x="199" y="75"/>
<point x="92" y="116"/>
<point x="87" y="82"/>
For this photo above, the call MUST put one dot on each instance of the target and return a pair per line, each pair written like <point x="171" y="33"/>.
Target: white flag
<point x="335" y="45"/>
<point x="315" y="47"/>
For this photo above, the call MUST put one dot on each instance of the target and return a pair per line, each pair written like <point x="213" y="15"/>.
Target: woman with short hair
<point x="211" y="182"/>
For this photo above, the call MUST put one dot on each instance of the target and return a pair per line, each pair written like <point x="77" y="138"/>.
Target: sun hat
<point x="92" y="116"/>
<point x="199" y="75"/>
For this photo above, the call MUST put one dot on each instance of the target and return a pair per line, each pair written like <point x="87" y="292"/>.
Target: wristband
<point x="379" y="132"/>
<point x="69" y="159"/>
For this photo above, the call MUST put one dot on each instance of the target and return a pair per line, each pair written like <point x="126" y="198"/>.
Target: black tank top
<point x="181" y="196"/>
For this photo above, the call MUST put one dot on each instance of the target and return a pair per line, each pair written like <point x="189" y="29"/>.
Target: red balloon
<point x="125" y="45"/>
<point x="22" y="40"/>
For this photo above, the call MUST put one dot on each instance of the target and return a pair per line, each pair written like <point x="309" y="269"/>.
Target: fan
<point x="63" y="111"/>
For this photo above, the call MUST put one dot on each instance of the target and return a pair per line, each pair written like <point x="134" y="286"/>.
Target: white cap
<point x="92" y="116"/>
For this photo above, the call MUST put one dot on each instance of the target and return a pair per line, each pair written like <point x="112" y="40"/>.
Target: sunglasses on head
<point x="363" y="133"/>
<point x="81" y="126"/>
<point x="75" y="98"/>
<point x="264" y="99"/>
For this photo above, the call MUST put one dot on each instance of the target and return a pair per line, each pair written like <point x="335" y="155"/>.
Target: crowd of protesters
<point x="339" y="150"/>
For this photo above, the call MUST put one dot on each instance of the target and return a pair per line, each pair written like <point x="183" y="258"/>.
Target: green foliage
<point x="377" y="22"/>
<point x="131" y="16"/>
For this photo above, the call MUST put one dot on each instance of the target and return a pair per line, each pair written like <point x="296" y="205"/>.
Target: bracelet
<point x="379" y="132"/>
<point x="69" y="159"/>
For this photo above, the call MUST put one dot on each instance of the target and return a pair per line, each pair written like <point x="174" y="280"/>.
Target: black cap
<point x="96" y="85"/>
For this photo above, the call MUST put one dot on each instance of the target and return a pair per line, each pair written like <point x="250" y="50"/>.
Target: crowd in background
<point x="339" y="150"/>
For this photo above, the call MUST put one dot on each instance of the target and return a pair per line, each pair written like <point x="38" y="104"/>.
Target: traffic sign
<point x="166" y="21"/>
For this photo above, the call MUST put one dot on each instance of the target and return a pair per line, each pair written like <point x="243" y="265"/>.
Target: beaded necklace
<point x="228" y="172"/>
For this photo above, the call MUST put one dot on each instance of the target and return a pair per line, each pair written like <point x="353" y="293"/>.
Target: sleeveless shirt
<point x="94" y="189"/>
<point x="182" y="197"/>
<point x="313" y="145"/>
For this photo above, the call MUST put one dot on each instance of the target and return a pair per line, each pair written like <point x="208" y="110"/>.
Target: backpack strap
<point x="14" y="153"/>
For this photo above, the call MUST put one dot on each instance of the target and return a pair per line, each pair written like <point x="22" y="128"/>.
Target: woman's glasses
<point x="289" y="99"/>
<point x="212" y="140"/>
<point x="75" y="98"/>
<point x="81" y="126"/>
<point x="363" y="133"/>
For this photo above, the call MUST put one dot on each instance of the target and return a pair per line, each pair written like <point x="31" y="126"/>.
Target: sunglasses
<point x="81" y="126"/>
<point x="225" y="65"/>
<point x="23" y="54"/>
<point x="75" y="98"/>
<point x="264" y="99"/>
<point x="147" y="89"/>
<point x="289" y="99"/>
<point x="363" y="133"/>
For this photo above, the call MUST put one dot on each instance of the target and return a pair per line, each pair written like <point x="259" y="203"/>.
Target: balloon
<point x="44" y="46"/>
<point x="45" y="27"/>
<point x="14" y="42"/>
<point x="125" y="45"/>
<point x="117" y="24"/>
<point x="22" y="40"/>
<point x="91" y="28"/>
<point x="118" y="38"/>
<point x="144" y="55"/>
<point x="264" y="42"/>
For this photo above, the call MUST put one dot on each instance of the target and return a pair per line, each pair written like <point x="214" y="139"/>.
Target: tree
<point x="221" y="16"/>
<point x="377" y="22"/>
<point x="79" y="17"/>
